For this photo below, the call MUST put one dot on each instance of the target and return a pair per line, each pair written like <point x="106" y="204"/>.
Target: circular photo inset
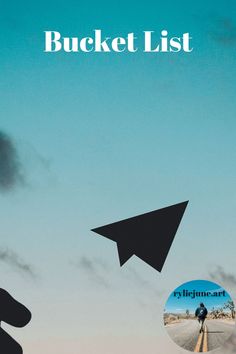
<point x="199" y="316"/>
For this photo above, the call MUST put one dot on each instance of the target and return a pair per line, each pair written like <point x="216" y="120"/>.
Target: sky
<point x="179" y="303"/>
<point x="104" y="137"/>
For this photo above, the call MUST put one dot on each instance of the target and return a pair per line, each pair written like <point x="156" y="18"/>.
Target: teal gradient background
<point x="104" y="137"/>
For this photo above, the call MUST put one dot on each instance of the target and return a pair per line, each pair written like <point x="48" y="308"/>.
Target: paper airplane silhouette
<point x="148" y="236"/>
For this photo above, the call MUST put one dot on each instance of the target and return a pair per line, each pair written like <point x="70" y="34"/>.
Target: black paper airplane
<point x="148" y="236"/>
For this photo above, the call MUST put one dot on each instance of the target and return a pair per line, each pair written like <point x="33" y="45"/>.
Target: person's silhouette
<point x="201" y="313"/>
<point x="15" y="314"/>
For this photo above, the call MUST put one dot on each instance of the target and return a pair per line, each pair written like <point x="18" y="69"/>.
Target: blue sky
<point x="106" y="137"/>
<point x="179" y="303"/>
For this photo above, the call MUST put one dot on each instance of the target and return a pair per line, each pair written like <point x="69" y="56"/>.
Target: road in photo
<point x="199" y="316"/>
<point x="186" y="334"/>
<point x="218" y="332"/>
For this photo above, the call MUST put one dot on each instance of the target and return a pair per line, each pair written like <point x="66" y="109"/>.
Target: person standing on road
<point x="201" y="314"/>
